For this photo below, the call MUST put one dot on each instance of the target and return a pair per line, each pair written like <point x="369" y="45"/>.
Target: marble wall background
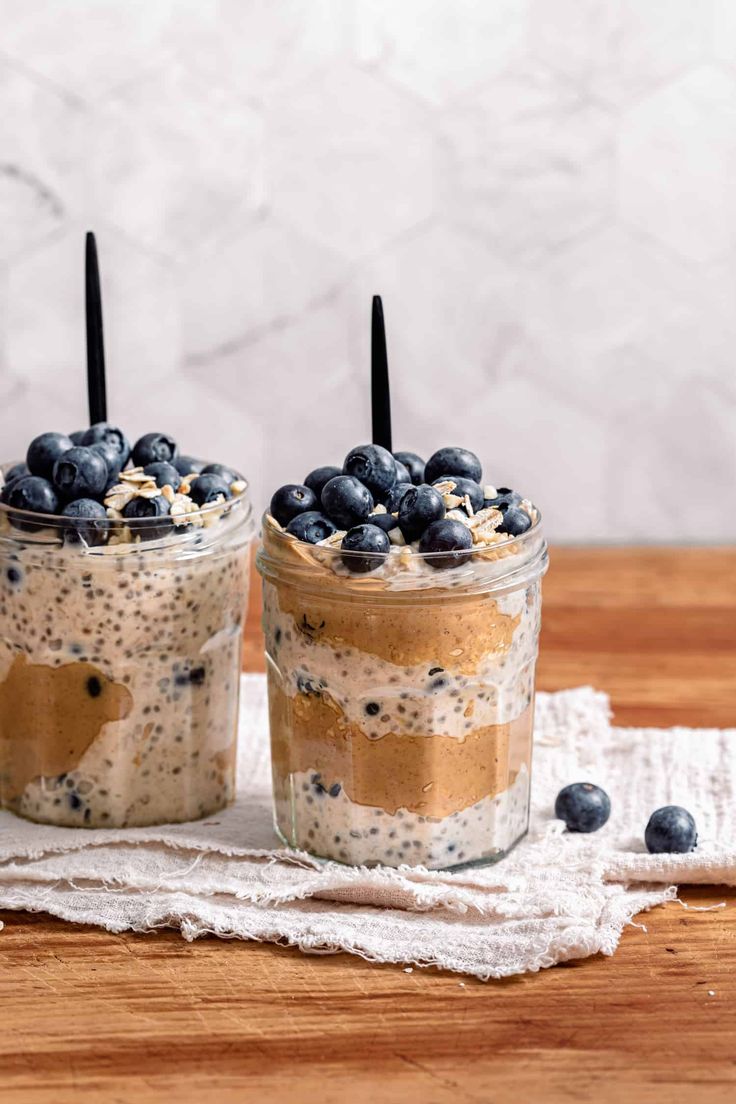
<point x="542" y="190"/>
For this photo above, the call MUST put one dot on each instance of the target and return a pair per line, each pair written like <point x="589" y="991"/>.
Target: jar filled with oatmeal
<point x="120" y="648"/>
<point x="401" y="681"/>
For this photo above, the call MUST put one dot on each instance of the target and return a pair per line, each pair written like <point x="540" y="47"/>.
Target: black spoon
<point x="96" y="389"/>
<point x="380" y="393"/>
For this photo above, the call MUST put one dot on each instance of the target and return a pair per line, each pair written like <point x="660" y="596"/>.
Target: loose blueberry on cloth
<point x="583" y="806"/>
<point x="560" y="895"/>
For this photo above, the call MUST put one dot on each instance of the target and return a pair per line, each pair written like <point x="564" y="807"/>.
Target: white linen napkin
<point x="558" y="896"/>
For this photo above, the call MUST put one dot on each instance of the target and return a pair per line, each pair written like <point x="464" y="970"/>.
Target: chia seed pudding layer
<point x="362" y="835"/>
<point x="119" y="673"/>
<point x="401" y="704"/>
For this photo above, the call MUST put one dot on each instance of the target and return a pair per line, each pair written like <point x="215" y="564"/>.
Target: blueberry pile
<point x="377" y="495"/>
<point x="585" y="807"/>
<point x="73" y="475"/>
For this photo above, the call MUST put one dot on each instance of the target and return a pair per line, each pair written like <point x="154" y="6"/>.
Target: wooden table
<point x="116" y="1018"/>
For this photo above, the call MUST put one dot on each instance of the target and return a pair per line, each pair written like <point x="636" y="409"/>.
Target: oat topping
<point x="384" y="525"/>
<point x="184" y="511"/>
<point x="136" y="475"/>
<point x="94" y="489"/>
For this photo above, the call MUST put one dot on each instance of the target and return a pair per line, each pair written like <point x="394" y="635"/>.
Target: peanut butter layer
<point x="431" y="775"/>
<point x="457" y="635"/>
<point x="49" y="716"/>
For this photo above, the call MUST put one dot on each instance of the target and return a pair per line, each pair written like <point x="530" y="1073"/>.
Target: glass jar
<point x="120" y="666"/>
<point x="401" y="701"/>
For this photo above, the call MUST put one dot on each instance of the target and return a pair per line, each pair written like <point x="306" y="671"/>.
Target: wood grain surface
<point x="125" y="1018"/>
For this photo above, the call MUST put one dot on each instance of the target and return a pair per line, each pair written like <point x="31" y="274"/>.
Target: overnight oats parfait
<point x="123" y="587"/>
<point x="401" y="617"/>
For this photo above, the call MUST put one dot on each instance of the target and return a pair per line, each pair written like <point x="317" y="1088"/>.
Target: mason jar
<point x="120" y="666"/>
<point x="401" y="703"/>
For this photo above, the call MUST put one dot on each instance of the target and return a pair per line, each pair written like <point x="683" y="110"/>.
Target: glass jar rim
<point x="505" y="565"/>
<point x="31" y="527"/>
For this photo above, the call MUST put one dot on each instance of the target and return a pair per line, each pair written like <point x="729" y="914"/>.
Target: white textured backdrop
<point x="544" y="192"/>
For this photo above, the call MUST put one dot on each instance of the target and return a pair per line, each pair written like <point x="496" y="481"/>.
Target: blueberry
<point x="112" y="458"/>
<point x="14" y="575"/>
<point x="438" y="684"/>
<point x="227" y="475"/>
<point x="186" y="465"/>
<point x="311" y="526"/>
<point x="450" y="538"/>
<point x="91" y="524"/>
<point x="364" y="538"/>
<point x="347" y="501"/>
<point x="414" y="465"/>
<point x="374" y="466"/>
<point x="320" y="477"/>
<point x="419" y="507"/>
<point x="139" y="508"/>
<point x="153" y="446"/>
<point x="671" y="829"/>
<point x="80" y="472"/>
<point x="163" y="474"/>
<point x="102" y="433"/>
<point x="387" y="522"/>
<point x="33" y="494"/>
<point x="583" y="807"/>
<point x="463" y="487"/>
<point x="395" y="496"/>
<point x="208" y="488"/>
<point x="515" y="521"/>
<point x="504" y="497"/>
<point x="194" y="676"/>
<point x="290" y="500"/>
<point x="15" y="472"/>
<point x="403" y="475"/>
<point x="44" y="451"/>
<point x="307" y="686"/>
<point x="76" y="436"/>
<point x="453" y="461"/>
<point x="94" y="686"/>
<point x="144" y="510"/>
<point x="372" y="708"/>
